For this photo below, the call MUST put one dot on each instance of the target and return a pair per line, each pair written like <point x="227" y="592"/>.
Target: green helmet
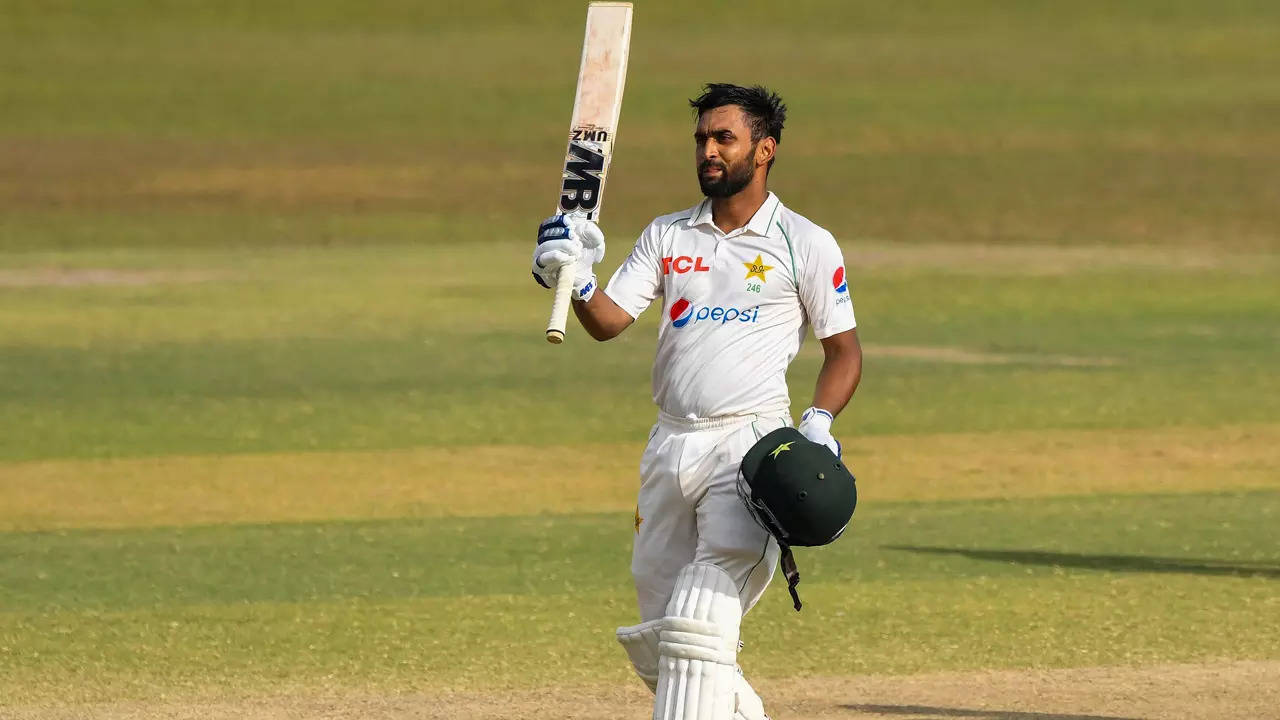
<point x="799" y="491"/>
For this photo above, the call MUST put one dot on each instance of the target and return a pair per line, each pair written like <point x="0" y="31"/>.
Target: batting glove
<point x="815" y="424"/>
<point x="568" y="243"/>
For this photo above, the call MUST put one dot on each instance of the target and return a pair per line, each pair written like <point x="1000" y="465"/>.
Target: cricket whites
<point x="592" y="131"/>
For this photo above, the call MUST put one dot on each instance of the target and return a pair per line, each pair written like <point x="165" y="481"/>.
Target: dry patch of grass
<point x="503" y="480"/>
<point x="289" y="186"/>
<point x="84" y="277"/>
<point x="39" y="173"/>
<point x="431" y="482"/>
<point x="1035" y="464"/>
<point x="882" y="140"/>
<point x="1182" y="692"/>
<point x="1209" y="691"/>
<point x="1050" y="260"/>
<point x="961" y="356"/>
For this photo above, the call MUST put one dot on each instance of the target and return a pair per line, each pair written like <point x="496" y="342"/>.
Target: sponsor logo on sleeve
<point x="841" y="285"/>
<point x="683" y="312"/>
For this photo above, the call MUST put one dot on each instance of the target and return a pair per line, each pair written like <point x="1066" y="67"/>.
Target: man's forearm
<point x="840" y="373"/>
<point x="601" y="317"/>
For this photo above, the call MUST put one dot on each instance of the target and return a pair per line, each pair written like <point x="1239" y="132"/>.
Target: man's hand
<point x="571" y="243"/>
<point x="815" y="424"/>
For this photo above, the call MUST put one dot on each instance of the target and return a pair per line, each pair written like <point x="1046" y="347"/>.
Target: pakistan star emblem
<point x="638" y="519"/>
<point x="757" y="268"/>
<point x="780" y="449"/>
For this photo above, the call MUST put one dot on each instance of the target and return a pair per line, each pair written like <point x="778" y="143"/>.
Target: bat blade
<point x="593" y="127"/>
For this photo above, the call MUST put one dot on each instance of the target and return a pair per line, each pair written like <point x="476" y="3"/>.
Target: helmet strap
<point x="790" y="571"/>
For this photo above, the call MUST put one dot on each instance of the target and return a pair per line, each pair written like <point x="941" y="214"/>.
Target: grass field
<point x="279" y="436"/>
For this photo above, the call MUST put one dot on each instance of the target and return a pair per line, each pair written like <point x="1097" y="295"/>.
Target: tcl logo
<point x="683" y="264"/>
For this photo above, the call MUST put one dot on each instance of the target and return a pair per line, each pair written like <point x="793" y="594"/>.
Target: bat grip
<point x="560" y="305"/>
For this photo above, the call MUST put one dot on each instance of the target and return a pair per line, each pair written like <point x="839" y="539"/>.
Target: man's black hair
<point x="763" y="108"/>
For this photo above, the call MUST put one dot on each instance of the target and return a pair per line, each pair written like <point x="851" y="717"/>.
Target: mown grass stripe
<point x="1213" y="535"/>
<point x="412" y="644"/>
<point x="494" y="480"/>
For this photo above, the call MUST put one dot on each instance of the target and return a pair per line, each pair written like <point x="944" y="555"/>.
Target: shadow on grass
<point x="1113" y="563"/>
<point x="923" y="711"/>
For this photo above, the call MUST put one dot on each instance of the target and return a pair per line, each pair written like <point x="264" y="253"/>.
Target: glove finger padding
<point x="555" y="253"/>
<point x="553" y="228"/>
<point x="555" y="259"/>
<point x="591" y="237"/>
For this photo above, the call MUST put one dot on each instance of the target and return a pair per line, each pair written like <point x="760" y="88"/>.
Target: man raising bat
<point x="740" y="277"/>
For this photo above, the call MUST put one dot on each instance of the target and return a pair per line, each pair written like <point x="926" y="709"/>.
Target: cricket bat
<point x="592" y="131"/>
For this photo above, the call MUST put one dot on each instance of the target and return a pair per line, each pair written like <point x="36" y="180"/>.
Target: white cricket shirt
<point x="735" y="306"/>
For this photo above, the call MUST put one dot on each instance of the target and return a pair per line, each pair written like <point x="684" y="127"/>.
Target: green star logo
<point x="781" y="449"/>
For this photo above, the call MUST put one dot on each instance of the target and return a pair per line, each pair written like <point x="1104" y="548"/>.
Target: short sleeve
<point x="824" y="288"/>
<point x="638" y="280"/>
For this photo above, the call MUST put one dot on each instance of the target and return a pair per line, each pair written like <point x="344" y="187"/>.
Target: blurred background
<point x="302" y="154"/>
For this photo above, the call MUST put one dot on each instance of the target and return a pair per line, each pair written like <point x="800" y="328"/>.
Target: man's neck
<point x="735" y="211"/>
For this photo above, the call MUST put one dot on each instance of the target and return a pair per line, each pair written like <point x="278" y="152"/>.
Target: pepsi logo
<point x="838" y="281"/>
<point x="681" y="311"/>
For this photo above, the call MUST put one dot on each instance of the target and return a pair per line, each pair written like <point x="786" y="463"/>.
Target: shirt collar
<point x="757" y="225"/>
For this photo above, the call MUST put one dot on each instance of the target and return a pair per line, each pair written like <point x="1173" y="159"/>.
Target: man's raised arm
<point x="567" y="244"/>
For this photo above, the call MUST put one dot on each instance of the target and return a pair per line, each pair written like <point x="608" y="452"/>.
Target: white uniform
<point x="735" y="311"/>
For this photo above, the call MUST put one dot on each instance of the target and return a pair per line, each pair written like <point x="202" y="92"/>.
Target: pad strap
<point x="695" y="640"/>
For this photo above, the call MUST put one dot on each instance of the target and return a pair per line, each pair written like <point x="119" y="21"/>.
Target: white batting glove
<point x="568" y="243"/>
<point x="815" y="424"/>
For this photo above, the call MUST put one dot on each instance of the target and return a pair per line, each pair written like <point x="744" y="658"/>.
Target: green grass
<point x="513" y="641"/>
<point x="373" y="603"/>
<point x="535" y="556"/>
<point x="370" y="348"/>
<point x="313" y="221"/>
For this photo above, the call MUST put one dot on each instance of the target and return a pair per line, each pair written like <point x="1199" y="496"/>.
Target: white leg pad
<point x="749" y="705"/>
<point x="641" y="643"/>
<point x="698" y="651"/>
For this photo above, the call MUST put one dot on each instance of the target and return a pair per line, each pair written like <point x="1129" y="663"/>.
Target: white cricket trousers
<point x="688" y="509"/>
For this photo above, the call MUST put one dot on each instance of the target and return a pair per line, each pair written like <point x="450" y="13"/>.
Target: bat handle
<point x="560" y="305"/>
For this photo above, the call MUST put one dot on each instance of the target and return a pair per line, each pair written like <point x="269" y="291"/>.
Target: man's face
<point x="725" y="154"/>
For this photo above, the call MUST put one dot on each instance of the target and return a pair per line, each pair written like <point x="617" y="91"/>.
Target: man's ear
<point x="765" y="150"/>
